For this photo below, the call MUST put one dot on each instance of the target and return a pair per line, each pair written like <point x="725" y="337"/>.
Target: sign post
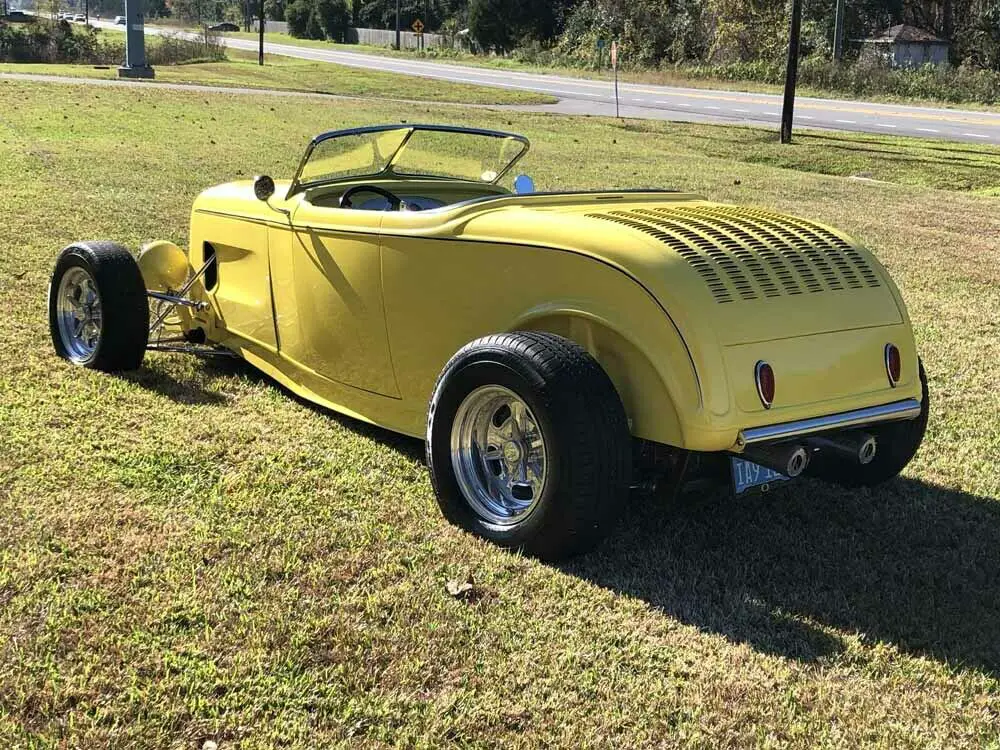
<point x="614" y="67"/>
<point x="418" y="29"/>
<point x="135" y="43"/>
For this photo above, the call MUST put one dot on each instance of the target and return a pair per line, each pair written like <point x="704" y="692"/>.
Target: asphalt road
<point x="593" y="97"/>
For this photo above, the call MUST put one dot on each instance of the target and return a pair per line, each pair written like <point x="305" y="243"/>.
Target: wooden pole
<point x="791" y="72"/>
<point x="397" y="25"/>
<point x="838" y="31"/>
<point x="260" y="45"/>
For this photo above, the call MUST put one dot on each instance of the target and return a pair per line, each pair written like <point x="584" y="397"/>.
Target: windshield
<point x="410" y="151"/>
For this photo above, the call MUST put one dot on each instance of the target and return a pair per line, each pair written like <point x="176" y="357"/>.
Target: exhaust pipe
<point x="855" y="446"/>
<point x="789" y="459"/>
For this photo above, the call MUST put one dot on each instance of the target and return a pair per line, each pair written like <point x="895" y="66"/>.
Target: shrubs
<point x="318" y="19"/>
<point x="865" y="78"/>
<point x="62" y="42"/>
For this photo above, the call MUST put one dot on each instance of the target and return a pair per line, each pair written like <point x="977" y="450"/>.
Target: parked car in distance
<point x="224" y="26"/>
<point x="553" y="350"/>
<point x="120" y="20"/>
<point x="79" y="17"/>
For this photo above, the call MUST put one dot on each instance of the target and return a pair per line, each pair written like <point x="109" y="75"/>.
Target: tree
<point x="491" y="23"/>
<point x="333" y="17"/>
<point x="297" y="15"/>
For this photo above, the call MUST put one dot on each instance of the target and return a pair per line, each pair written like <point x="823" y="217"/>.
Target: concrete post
<point x="135" y="42"/>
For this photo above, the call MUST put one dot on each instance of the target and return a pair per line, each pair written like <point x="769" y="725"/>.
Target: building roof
<point x="905" y="33"/>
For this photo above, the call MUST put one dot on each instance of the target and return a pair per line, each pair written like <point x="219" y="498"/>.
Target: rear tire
<point x="98" y="311"/>
<point x="573" y="440"/>
<point x="897" y="444"/>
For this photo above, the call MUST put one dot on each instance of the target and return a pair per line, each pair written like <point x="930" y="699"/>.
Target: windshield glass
<point x="412" y="151"/>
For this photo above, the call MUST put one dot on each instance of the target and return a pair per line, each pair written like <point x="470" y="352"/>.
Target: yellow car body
<point x="360" y="310"/>
<point x="650" y="326"/>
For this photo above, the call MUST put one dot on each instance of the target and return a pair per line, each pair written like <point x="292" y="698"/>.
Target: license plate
<point x="748" y="475"/>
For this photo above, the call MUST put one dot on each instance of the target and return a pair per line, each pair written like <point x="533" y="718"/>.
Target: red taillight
<point x="893" y="364"/>
<point x="763" y="375"/>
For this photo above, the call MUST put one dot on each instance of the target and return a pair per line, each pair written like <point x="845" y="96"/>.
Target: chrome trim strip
<point x="897" y="410"/>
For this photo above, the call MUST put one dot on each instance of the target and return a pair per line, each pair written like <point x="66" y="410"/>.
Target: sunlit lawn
<point x="290" y="74"/>
<point x="188" y="552"/>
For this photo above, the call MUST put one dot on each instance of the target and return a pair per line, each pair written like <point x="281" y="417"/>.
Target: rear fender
<point x="650" y="405"/>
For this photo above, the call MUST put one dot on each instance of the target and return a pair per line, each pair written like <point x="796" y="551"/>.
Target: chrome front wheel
<point x="498" y="455"/>
<point x="78" y="314"/>
<point x="98" y="312"/>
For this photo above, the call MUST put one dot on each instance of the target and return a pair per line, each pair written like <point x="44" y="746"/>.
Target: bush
<point x="866" y="77"/>
<point x="64" y="43"/>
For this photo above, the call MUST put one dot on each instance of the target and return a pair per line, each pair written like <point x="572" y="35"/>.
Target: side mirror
<point x="523" y="184"/>
<point x="263" y="187"/>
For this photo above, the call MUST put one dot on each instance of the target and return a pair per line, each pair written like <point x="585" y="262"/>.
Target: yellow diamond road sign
<point x="418" y="26"/>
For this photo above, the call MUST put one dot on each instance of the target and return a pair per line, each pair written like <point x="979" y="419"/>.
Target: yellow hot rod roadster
<point x="554" y="349"/>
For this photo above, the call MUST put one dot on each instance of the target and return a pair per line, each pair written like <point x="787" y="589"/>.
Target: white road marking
<point x="928" y="130"/>
<point x="682" y="104"/>
<point x="742" y="111"/>
<point x="708" y="106"/>
<point x="847" y="122"/>
<point x="883" y="125"/>
<point x="806" y="117"/>
<point x="772" y="114"/>
<point x="975" y="135"/>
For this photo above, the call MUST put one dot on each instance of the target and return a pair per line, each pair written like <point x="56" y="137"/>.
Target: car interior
<point x="400" y="195"/>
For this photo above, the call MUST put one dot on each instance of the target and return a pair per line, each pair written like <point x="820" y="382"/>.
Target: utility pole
<point x="791" y="71"/>
<point x="397" y="25"/>
<point x="86" y="12"/>
<point x="838" y="31"/>
<point x="260" y="46"/>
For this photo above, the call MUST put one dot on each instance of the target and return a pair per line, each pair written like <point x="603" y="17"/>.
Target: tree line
<point x="650" y="33"/>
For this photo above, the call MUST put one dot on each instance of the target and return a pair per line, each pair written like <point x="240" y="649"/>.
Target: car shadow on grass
<point x="180" y="390"/>
<point x="910" y="564"/>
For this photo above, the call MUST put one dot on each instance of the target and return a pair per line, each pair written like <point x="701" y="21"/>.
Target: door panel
<point x="328" y="298"/>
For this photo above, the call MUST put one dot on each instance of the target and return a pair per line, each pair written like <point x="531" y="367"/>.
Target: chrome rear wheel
<point x="498" y="455"/>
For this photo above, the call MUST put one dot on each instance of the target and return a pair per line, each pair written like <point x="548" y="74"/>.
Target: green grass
<point x="286" y="73"/>
<point x="187" y="552"/>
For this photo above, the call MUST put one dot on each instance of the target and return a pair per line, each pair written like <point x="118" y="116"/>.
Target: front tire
<point x="98" y="311"/>
<point x="897" y="444"/>
<point x="528" y="444"/>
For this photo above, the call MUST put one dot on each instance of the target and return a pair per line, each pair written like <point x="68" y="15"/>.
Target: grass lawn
<point x="187" y="552"/>
<point x="290" y="74"/>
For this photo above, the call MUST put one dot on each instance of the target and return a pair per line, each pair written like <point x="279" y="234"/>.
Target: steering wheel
<point x="394" y="200"/>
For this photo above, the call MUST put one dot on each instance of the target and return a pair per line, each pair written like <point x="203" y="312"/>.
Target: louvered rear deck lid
<point x="745" y="254"/>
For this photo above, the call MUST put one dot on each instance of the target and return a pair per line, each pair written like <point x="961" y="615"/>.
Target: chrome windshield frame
<point x="298" y="185"/>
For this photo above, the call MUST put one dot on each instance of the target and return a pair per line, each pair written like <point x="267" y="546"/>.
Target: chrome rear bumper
<point x="897" y="410"/>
